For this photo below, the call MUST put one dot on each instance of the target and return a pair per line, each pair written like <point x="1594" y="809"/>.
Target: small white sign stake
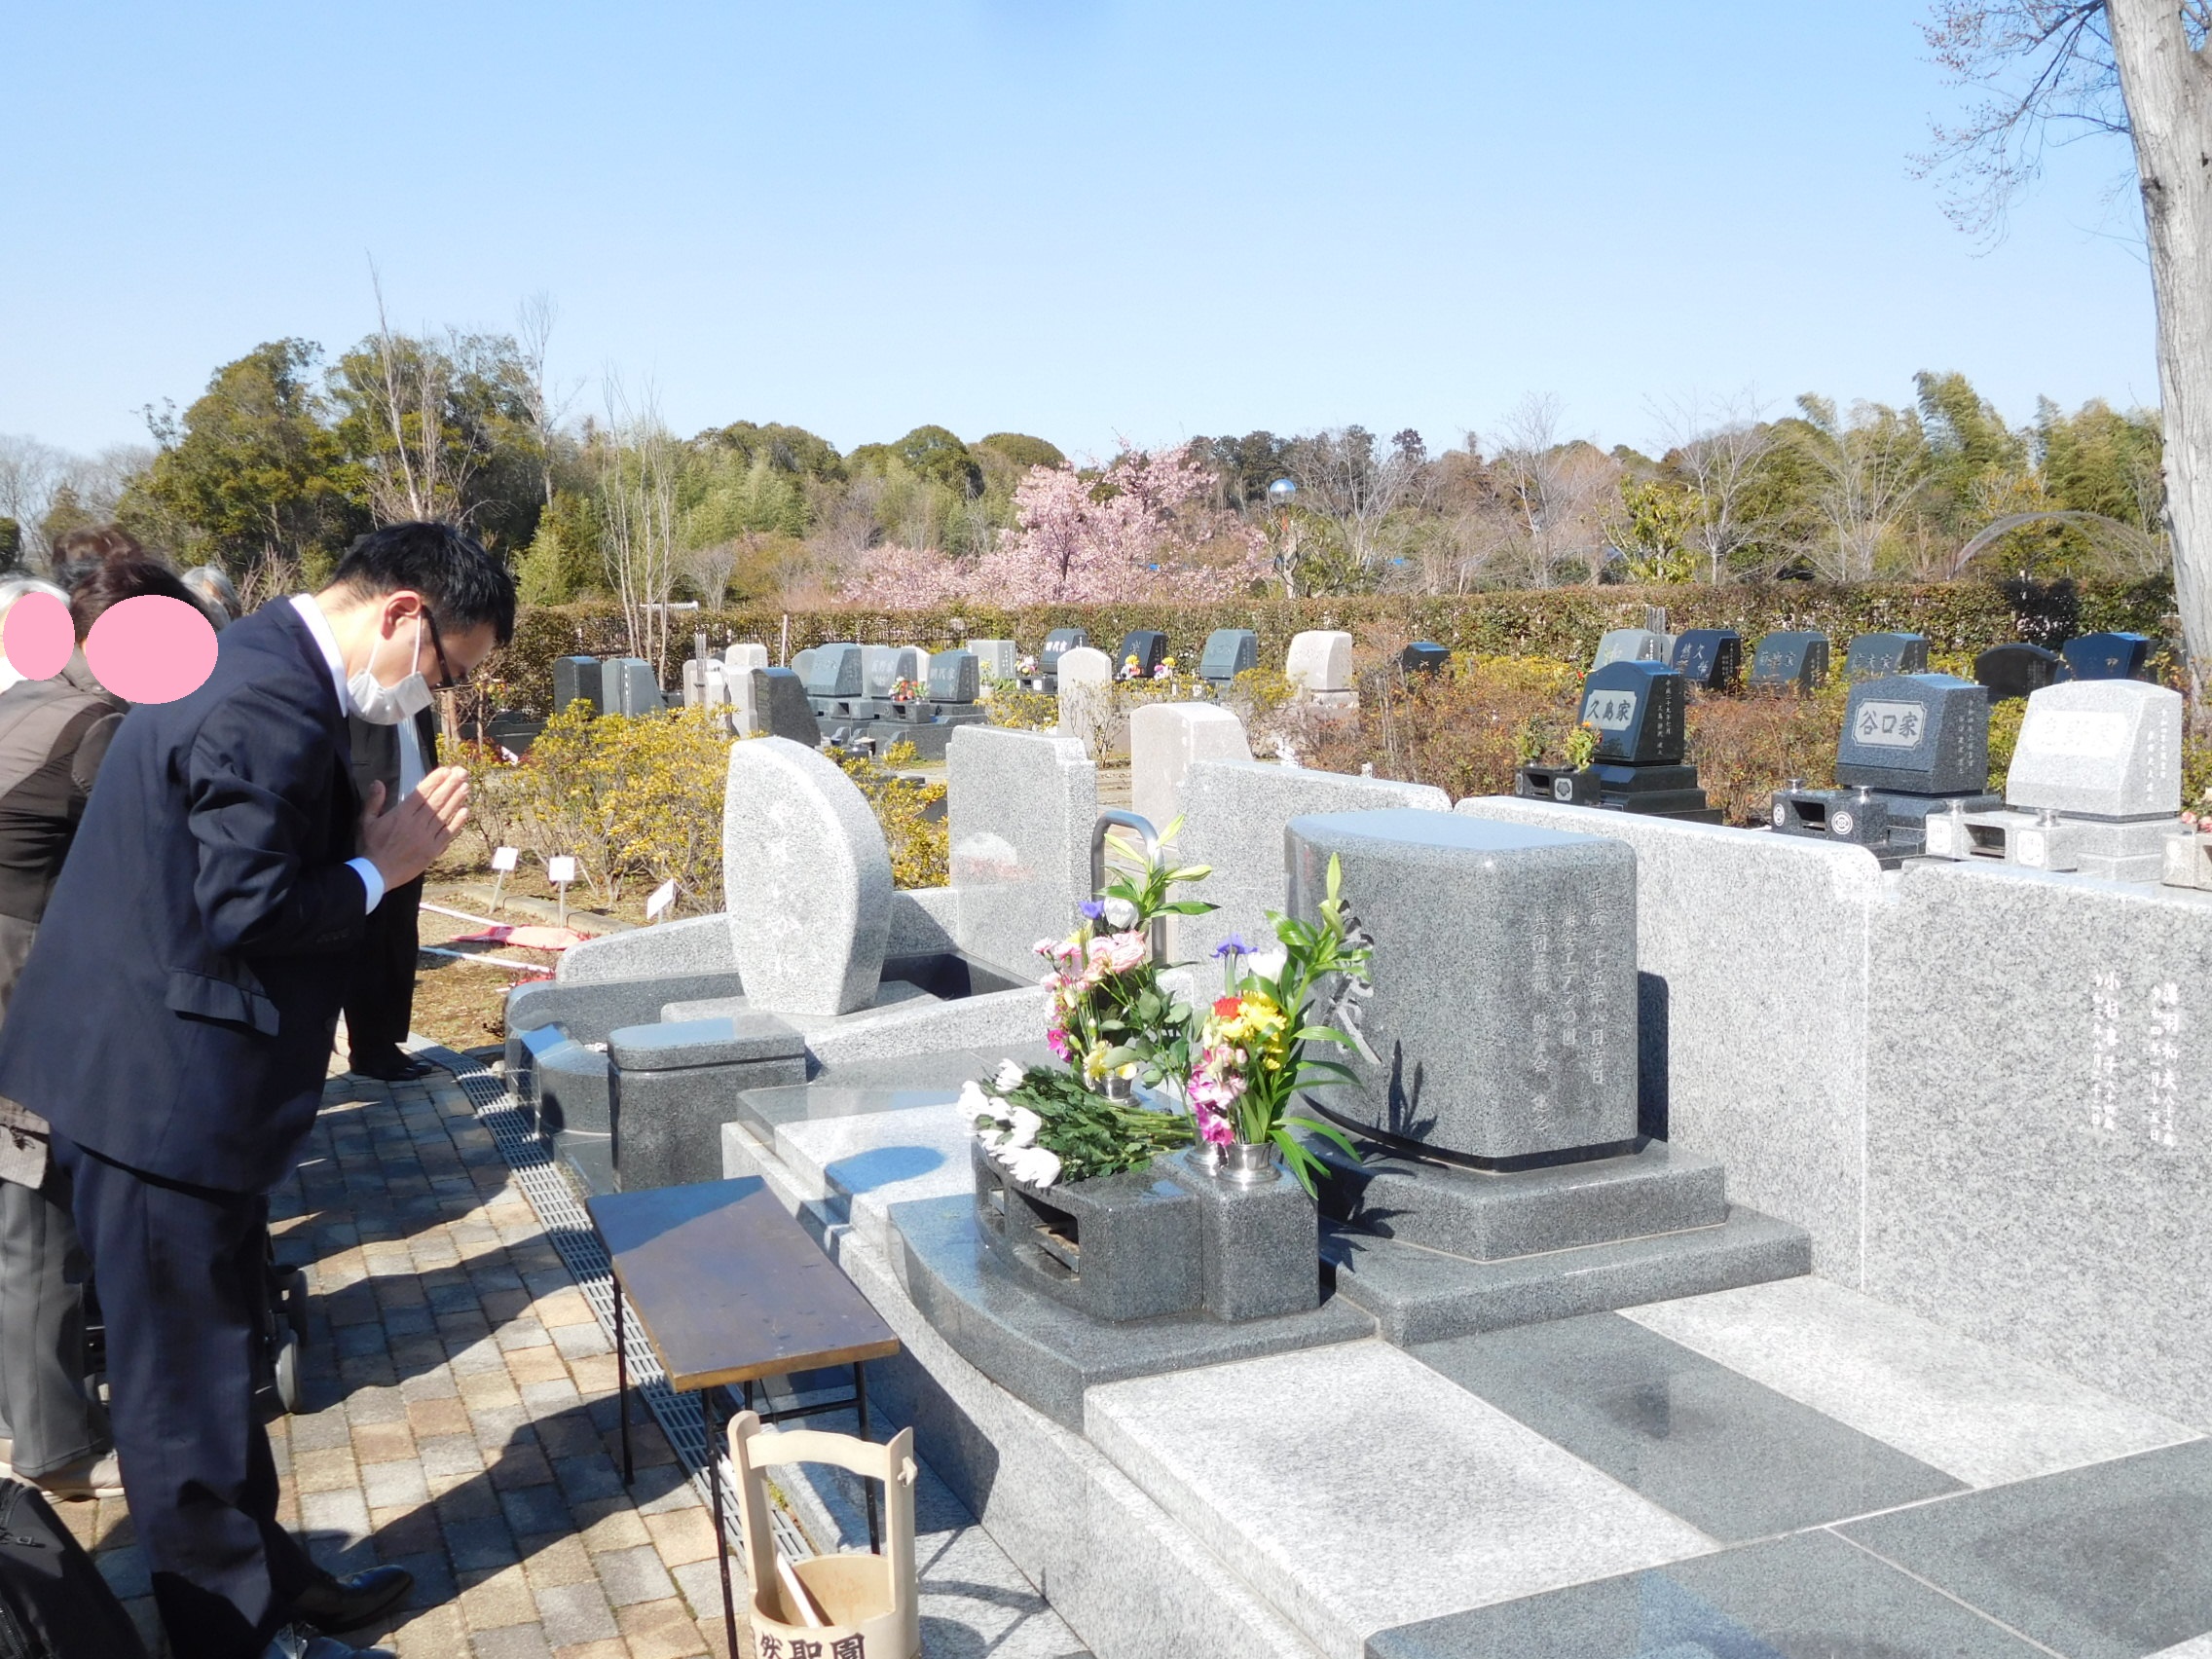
<point x="561" y="871"/>
<point x="661" y="899"/>
<point x="503" y="866"/>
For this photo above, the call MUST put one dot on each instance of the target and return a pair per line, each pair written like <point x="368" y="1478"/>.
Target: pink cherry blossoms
<point x="1140" y="530"/>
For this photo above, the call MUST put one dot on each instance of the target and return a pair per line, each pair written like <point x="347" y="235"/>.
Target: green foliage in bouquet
<point x="1090" y="1135"/>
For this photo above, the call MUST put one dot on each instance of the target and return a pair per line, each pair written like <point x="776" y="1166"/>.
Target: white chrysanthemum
<point x="1025" y="1125"/>
<point x="1034" y="1166"/>
<point x="1009" y="1076"/>
<point x="973" y="1102"/>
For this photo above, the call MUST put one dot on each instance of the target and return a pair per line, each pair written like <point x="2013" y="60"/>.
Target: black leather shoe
<point x="344" y="1604"/>
<point x="394" y="1067"/>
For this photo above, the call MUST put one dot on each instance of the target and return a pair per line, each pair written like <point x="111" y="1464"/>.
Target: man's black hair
<point x="465" y="586"/>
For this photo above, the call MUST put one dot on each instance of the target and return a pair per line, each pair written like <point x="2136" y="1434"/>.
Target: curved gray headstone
<point x="806" y="880"/>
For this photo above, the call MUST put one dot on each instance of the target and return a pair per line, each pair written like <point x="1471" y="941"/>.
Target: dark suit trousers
<point x="380" y="1000"/>
<point x="183" y="1290"/>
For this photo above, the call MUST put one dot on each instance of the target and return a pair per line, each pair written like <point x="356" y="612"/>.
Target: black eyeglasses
<point x="450" y="683"/>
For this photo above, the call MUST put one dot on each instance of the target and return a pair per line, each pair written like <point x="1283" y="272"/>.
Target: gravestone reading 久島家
<point x="1636" y="710"/>
<point x="1911" y="744"/>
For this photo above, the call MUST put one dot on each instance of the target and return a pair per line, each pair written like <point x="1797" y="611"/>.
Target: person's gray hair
<point x="15" y="587"/>
<point x="220" y="599"/>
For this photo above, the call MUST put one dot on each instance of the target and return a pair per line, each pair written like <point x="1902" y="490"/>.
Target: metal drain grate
<point x="568" y="1224"/>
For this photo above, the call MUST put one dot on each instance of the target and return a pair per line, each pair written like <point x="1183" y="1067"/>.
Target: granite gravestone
<point x="995" y="659"/>
<point x="2107" y="656"/>
<point x="1085" y="681"/>
<point x="1712" y="658"/>
<point x="802" y="665"/>
<point x="627" y="686"/>
<point x="577" y="680"/>
<point x="1165" y="740"/>
<point x="1911" y="744"/>
<point x="1146" y="647"/>
<point x="836" y="672"/>
<point x="806" y="880"/>
<point x="1319" y="663"/>
<point x="1876" y="656"/>
<point x="954" y="678"/>
<point x="1637" y="710"/>
<point x="1058" y="644"/>
<point x="949" y="688"/>
<point x="1424" y="656"/>
<point x="746" y="656"/>
<point x="1229" y="652"/>
<point x="2017" y="670"/>
<point x="783" y="709"/>
<point x="2094" y="785"/>
<point x="1797" y="660"/>
<point x="748" y="700"/>
<point x="1503" y="1014"/>
<point x="1633" y="644"/>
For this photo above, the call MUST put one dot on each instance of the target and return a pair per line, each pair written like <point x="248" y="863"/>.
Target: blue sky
<point x="1087" y="219"/>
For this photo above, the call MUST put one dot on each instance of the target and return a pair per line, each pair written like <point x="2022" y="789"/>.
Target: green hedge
<point x="1557" y="622"/>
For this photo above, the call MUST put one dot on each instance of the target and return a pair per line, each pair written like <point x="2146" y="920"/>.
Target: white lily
<point x="1121" y="913"/>
<point x="1267" y="964"/>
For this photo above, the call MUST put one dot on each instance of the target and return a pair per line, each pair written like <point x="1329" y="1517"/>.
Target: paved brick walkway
<point x="460" y="1411"/>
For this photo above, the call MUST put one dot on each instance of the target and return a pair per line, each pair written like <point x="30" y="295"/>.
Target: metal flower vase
<point x="1250" y="1163"/>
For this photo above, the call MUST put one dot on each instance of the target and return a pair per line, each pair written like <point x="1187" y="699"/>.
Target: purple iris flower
<point x="1233" y="945"/>
<point x="1094" y="908"/>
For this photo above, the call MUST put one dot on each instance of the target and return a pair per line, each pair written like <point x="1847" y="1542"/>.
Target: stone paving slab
<point x="459" y="1417"/>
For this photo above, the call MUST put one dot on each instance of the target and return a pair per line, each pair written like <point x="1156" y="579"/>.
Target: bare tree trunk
<point x="2168" y="87"/>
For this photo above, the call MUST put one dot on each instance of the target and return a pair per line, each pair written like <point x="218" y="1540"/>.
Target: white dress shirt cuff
<point x="372" y="879"/>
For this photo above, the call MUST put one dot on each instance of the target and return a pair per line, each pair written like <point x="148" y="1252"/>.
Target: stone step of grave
<point x="1418" y="1295"/>
<point x="1046" y="1354"/>
<point x="1486" y="1217"/>
<point x="2115" y="850"/>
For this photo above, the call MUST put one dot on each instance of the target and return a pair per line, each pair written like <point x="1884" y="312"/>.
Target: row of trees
<point x="284" y="458"/>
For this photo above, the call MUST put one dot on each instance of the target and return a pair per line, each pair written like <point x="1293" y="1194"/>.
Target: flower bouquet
<point x="1042" y="1126"/>
<point x="1255" y="1047"/>
<point x="1112" y="1019"/>
<point x="1114" y="1025"/>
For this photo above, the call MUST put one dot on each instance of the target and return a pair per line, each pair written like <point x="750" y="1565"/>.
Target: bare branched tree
<point x="710" y="569"/>
<point x="544" y="402"/>
<point x="639" y="461"/>
<point x="1717" y="447"/>
<point x="1342" y="474"/>
<point x="415" y="470"/>
<point x="1559" y="493"/>
<point x="30" y="472"/>
<point x="2048" y="70"/>
<point x="1869" y="468"/>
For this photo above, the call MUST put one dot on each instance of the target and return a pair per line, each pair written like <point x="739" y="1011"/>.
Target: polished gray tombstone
<point x="1633" y="644"/>
<point x="1877" y="656"/>
<point x="836" y="672"/>
<point x="1229" y="652"/>
<point x="575" y="680"/>
<point x="1796" y="659"/>
<point x="1503" y="1017"/>
<point x="997" y="658"/>
<point x="627" y="686"/>
<point x="1912" y="744"/>
<point x="784" y="710"/>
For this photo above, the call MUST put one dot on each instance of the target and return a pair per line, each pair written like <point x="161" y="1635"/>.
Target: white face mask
<point x="388" y="705"/>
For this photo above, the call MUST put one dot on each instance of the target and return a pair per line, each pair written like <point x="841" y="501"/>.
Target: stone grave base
<point x="1436" y="1252"/>
<point x="2112" y="849"/>
<point x="1489" y="1495"/>
<point x="1895" y="830"/>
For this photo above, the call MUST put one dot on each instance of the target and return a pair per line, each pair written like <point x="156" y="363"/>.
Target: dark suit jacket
<point x="176" y="1012"/>
<point x="376" y="752"/>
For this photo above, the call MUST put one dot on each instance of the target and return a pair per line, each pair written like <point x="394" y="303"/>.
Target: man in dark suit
<point x="174" y="1022"/>
<point x="379" y="1007"/>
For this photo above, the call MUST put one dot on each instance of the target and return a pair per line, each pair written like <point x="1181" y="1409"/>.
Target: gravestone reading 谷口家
<point x="1911" y="744"/>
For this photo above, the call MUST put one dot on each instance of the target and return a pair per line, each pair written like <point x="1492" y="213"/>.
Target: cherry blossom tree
<point x="1144" y="528"/>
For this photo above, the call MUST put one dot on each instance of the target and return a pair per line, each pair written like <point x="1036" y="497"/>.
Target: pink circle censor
<point x="37" y="637"/>
<point x="150" y="650"/>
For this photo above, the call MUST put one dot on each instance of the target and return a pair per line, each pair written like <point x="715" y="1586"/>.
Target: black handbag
<point x="53" y="1603"/>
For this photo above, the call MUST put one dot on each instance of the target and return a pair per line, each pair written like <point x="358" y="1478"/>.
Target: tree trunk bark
<point x="2168" y="87"/>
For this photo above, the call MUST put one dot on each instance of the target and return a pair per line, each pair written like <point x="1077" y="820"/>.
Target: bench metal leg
<point x="860" y="1402"/>
<point x="706" y="1410"/>
<point x="622" y="1385"/>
